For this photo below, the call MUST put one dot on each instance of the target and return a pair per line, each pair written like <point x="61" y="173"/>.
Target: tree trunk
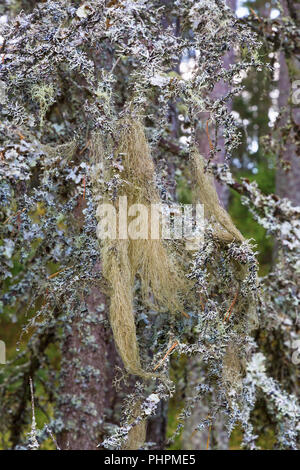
<point x="87" y="395"/>
<point x="288" y="171"/>
<point x="191" y="439"/>
<point x="219" y="90"/>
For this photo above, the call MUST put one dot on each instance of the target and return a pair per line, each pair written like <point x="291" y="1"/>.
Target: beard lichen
<point x="123" y="167"/>
<point x="224" y="228"/>
<point x="124" y="259"/>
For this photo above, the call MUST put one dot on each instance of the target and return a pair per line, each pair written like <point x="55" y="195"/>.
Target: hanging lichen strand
<point x="122" y="260"/>
<point x="205" y="191"/>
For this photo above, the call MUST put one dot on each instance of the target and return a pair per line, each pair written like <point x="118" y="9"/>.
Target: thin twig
<point x="32" y="396"/>
<point x="209" y="431"/>
<point x="58" y="272"/>
<point x="201" y="302"/>
<point x="166" y="355"/>
<point x="185" y="314"/>
<point x="229" y="310"/>
<point x="52" y="437"/>
<point x="115" y="64"/>
<point x="255" y="14"/>
<point x="33" y="445"/>
<point x="15" y="214"/>
<point x="208" y="136"/>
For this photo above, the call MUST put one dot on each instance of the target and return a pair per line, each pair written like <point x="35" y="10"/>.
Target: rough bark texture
<point x="219" y="90"/>
<point x="88" y="398"/>
<point x="87" y="369"/>
<point x="288" y="174"/>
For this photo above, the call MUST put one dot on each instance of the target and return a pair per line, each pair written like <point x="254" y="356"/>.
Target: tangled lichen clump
<point x="128" y="170"/>
<point x="44" y="95"/>
<point x="242" y="264"/>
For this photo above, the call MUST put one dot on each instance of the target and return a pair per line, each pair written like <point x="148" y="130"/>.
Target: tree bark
<point x="87" y="396"/>
<point x="220" y="89"/>
<point x="288" y="171"/>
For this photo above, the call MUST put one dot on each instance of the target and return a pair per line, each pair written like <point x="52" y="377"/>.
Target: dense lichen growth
<point x="88" y="116"/>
